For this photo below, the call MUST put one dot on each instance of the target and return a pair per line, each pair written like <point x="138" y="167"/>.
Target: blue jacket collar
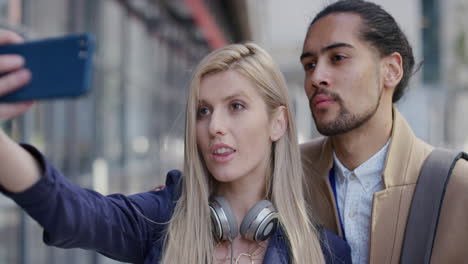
<point x="277" y="251"/>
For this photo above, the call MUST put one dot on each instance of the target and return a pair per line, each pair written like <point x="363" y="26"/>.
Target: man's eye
<point x="203" y="111"/>
<point x="338" y="57"/>
<point x="309" y="66"/>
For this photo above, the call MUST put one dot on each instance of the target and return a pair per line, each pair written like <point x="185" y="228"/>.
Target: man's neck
<point x="355" y="147"/>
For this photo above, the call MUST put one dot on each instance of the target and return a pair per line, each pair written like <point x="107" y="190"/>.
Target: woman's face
<point x="233" y="128"/>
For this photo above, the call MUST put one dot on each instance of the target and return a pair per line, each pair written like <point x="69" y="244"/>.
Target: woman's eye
<point x="203" y="111"/>
<point x="237" y="106"/>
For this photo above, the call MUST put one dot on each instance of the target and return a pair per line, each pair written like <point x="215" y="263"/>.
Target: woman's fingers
<point x="10" y="110"/>
<point x="14" y="80"/>
<point x="10" y="63"/>
<point x="12" y="76"/>
<point x="9" y="37"/>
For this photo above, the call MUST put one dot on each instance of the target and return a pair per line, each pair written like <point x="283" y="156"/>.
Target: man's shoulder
<point x="462" y="165"/>
<point x="313" y="147"/>
<point x="460" y="175"/>
<point x="458" y="181"/>
<point x="317" y="155"/>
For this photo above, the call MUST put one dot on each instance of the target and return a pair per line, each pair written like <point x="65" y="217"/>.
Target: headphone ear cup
<point x="260" y="222"/>
<point x="223" y="219"/>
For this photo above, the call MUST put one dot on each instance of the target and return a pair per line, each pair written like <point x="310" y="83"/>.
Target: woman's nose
<point x="217" y="124"/>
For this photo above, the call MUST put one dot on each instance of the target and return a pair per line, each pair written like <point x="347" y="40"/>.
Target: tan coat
<point x="391" y="205"/>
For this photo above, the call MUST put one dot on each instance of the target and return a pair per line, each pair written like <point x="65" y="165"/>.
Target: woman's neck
<point x="242" y="195"/>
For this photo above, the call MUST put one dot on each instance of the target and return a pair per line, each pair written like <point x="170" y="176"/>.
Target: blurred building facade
<point x="128" y="132"/>
<point x="454" y="70"/>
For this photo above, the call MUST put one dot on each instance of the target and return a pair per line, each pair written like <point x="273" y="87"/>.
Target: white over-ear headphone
<point x="258" y="224"/>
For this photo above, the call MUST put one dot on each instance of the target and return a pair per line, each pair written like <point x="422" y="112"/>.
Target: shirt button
<point x="352" y="214"/>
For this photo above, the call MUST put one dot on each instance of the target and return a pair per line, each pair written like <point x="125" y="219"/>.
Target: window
<point x="431" y="46"/>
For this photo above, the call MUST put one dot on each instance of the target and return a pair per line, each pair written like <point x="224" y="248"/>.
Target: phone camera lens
<point x="83" y="42"/>
<point x="83" y="54"/>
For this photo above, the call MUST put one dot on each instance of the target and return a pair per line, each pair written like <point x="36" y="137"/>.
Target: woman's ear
<point x="279" y="123"/>
<point x="393" y="70"/>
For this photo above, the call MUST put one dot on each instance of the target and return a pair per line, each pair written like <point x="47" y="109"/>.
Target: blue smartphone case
<point x="60" y="67"/>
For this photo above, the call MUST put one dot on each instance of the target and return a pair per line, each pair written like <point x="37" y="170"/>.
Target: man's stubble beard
<point x="345" y="120"/>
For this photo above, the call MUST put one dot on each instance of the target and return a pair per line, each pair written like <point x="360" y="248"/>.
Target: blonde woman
<point x="239" y="199"/>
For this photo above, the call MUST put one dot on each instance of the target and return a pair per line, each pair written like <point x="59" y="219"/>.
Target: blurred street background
<point x="128" y="132"/>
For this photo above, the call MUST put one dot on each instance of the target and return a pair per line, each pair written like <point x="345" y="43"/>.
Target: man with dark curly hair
<point x="357" y="64"/>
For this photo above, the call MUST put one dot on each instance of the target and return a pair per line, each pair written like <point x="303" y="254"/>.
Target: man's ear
<point x="393" y="70"/>
<point x="279" y="123"/>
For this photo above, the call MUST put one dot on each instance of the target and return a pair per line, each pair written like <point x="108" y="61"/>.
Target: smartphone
<point x="61" y="67"/>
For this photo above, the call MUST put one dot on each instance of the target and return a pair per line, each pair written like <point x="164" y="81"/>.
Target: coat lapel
<point x="391" y="205"/>
<point x="317" y="159"/>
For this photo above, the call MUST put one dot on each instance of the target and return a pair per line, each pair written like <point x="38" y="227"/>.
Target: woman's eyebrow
<point x="226" y="98"/>
<point x="235" y="95"/>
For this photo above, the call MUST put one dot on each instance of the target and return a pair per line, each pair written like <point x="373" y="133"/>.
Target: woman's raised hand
<point x="19" y="169"/>
<point x="13" y="76"/>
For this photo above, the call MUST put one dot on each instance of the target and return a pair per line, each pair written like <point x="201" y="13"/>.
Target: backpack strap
<point x="426" y="204"/>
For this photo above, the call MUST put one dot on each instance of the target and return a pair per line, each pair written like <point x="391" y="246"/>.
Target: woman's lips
<point x="222" y="153"/>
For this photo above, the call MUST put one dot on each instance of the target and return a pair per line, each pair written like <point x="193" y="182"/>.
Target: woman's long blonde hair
<point x="189" y="237"/>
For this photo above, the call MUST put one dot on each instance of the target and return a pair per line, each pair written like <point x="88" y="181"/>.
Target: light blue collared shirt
<point x="355" y="190"/>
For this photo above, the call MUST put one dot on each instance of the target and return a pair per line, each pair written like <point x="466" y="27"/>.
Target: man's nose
<point x="320" y="78"/>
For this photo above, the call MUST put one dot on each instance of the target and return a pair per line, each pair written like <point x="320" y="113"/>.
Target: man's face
<point x="342" y="74"/>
